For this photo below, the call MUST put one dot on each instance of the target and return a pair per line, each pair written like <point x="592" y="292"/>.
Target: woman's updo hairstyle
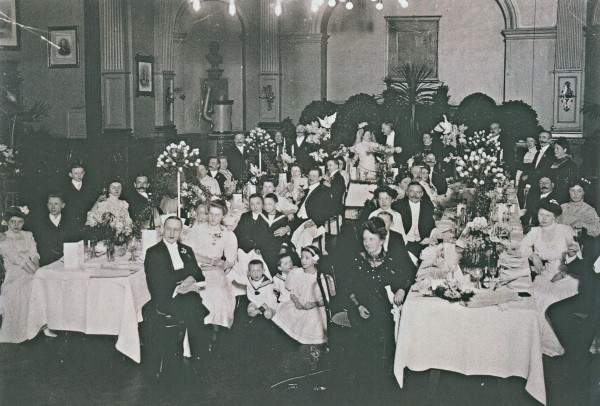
<point x="374" y="225"/>
<point x="550" y="205"/>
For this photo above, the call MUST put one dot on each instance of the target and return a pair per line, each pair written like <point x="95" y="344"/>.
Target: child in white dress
<point x="285" y="265"/>
<point x="303" y="317"/>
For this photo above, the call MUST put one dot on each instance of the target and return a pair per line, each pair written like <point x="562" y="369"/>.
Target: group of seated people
<point x="270" y="261"/>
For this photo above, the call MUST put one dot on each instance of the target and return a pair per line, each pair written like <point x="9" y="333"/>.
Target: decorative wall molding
<point x="269" y="39"/>
<point x="529" y="33"/>
<point x="113" y="35"/>
<point x="569" y="34"/>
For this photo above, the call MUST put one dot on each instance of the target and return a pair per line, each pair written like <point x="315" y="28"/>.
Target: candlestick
<point x="178" y="193"/>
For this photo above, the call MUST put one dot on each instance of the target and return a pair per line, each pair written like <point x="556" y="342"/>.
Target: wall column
<point x="569" y="68"/>
<point x="116" y="72"/>
<point x="270" y="71"/>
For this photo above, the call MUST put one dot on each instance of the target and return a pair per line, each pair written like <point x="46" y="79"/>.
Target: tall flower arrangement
<point x="259" y="140"/>
<point x="480" y="165"/>
<point x="318" y="132"/>
<point x="177" y="159"/>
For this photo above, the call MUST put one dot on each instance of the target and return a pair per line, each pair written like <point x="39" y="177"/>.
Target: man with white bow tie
<point x="237" y="156"/>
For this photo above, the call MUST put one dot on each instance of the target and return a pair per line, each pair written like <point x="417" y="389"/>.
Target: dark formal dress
<point x="250" y="232"/>
<point x="425" y="225"/>
<point x="338" y="189"/>
<point x="562" y="172"/>
<point x="50" y="238"/>
<point x="373" y="352"/>
<point x="236" y="161"/>
<point x="162" y="280"/>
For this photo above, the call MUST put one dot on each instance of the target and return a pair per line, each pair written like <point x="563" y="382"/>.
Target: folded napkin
<point x="110" y="273"/>
<point x="485" y="298"/>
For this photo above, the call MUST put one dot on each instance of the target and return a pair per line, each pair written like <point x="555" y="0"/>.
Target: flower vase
<point x="110" y="252"/>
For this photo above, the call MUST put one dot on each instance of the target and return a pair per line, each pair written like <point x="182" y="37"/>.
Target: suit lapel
<point x="165" y="254"/>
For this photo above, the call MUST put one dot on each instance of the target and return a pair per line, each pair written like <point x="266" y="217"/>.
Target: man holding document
<point x="172" y="274"/>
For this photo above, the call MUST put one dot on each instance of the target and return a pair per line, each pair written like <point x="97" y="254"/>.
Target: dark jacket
<point x="236" y="162"/>
<point x="318" y="206"/>
<point x="338" y="189"/>
<point x="50" y="238"/>
<point x="162" y="278"/>
<point x="220" y="178"/>
<point x="137" y="203"/>
<point x="250" y="232"/>
<point x="426" y="221"/>
<point x="302" y="154"/>
<point x="78" y="203"/>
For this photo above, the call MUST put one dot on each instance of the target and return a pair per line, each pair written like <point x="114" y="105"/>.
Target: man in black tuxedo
<point x="236" y="156"/>
<point x="394" y="243"/>
<point x="52" y="231"/>
<point x="213" y="172"/>
<point x="79" y="197"/>
<point x="545" y="190"/>
<point x="437" y="176"/>
<point x="251" y="228"/>
<point x="138" y="197"/>
<point x="301" y="149"/>
<point x="337" y="186"/>
<point x="171" y="266"/>
<point x="315" y="206"/>
<point x="392" y="139"/>
<point x="542" y="160"/>
<point x="417" y="217"/>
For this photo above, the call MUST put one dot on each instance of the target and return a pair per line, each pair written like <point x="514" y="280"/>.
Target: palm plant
<point x="408" y="94"/>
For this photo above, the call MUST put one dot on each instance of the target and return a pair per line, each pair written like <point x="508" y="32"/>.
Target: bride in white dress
<point x="547" y="246"/>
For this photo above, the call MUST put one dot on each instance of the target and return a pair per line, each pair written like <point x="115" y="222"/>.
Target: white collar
<point x="334" y="172"/>
<point x="170" y="245"/>
<point x="213" y="173"/>
<point x="313" y="187"/>
<point x="417" y="204"/>
<point x="544" y="147"/>
<point x="255" y="215"/>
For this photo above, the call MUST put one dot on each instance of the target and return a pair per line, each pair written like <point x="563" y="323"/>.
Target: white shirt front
<point x="77" y="184"/>
<point x="302" y="212"/>
<point x="241" y="149"/>
<point x="542" y="151"/>
<point x="413" y="233"/>
<point x="544" y="195"/>
<point x="255" y="216"/>
<point x="55" y="220"/>
<point x="144" y="194"/>
<point x="213" y="173"/>
<point x="299" y="140"/>
<point x="174" y="253"/>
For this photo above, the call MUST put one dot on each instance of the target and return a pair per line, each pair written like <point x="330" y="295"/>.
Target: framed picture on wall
<point x="63" y="51"/>
<point x="144" y="75"/>
<point x="9" y="32"/>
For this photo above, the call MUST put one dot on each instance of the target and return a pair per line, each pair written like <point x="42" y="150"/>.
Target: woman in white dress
<point x="21" y="261"/>
<point x="365" y="155"/>
<point x="547" y="246"/>
<point x="294" y="189"/>
<point x="211" y="242"/>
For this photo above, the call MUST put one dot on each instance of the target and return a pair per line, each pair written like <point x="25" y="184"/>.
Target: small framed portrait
<point x="144" y="75"/>
<point x="9" y="32"/>
<point x="63" y="51"/>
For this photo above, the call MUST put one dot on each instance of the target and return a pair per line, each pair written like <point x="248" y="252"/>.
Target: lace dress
<point x="583" y="213"/>
<point x="367" y="164"/>
<point x="16" y="289"/>
<point x="215" y="242"/>
<point x="304" y="326"/>
<point x="551" y="244"/>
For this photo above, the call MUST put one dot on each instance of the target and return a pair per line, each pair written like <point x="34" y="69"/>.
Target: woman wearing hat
<point x="550" y="247"/>
<point x="21" y="261"/>
<point x="563" y="170"/>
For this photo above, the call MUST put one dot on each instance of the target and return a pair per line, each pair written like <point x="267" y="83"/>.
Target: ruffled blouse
<point x="583" y="213"/>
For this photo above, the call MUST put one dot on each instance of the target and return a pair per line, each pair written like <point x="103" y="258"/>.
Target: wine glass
<point x="577" y="235"/>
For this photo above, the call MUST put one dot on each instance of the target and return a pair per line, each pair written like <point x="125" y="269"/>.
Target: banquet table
<point x="498" y="340"/>
<point x="100" y="298"/>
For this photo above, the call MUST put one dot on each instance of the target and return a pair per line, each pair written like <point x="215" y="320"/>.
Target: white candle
<point x="178" y="193"/>
<point x="284" y="143"/>
<point x="260" y="160"/>
<point x="292" y="150"/>
<point x="502" y="155"/>
<point x="277" y="156"/>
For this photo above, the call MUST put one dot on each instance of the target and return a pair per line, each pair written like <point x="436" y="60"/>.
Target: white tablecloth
<point x="435" y="333"/>
<point x="77" y="300"/>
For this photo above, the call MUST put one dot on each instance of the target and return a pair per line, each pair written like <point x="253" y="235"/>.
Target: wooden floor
<point x="74" y="369"/>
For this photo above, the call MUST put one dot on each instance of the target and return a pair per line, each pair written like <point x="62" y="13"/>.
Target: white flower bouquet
<point x="319" y="156"/>
<point x="178" y="156"/>
<point x="260" y="140"/>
